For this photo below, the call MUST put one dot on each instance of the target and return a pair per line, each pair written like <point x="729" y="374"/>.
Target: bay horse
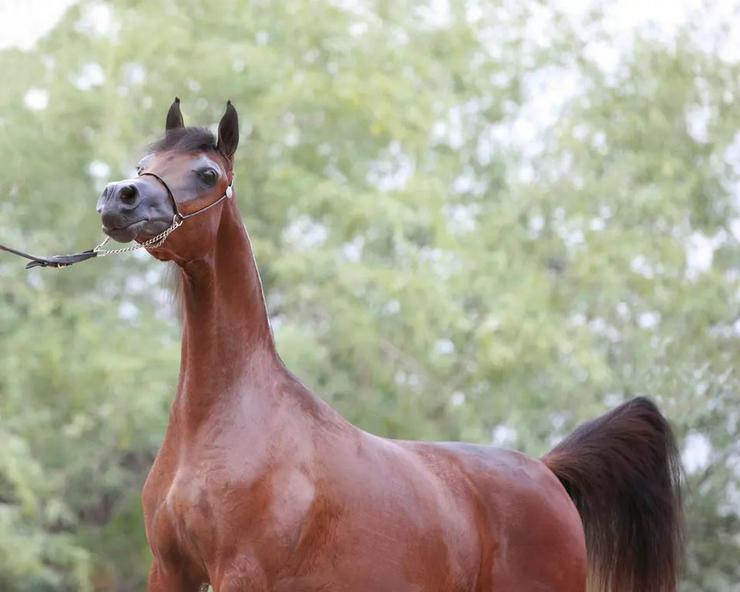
<point x="260" y="485"/>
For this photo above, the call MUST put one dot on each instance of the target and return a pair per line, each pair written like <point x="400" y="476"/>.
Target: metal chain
<point x="154" y="242"/>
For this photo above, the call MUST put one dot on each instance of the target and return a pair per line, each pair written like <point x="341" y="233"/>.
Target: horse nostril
<point x="103" y="198"/>
<point x="128" y="194"/>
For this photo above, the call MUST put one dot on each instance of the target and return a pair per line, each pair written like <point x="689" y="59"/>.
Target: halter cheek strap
<point x="178" y="220"/>
<point x="182" y="217"/>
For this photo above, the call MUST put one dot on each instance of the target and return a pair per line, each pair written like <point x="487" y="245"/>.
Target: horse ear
<point x="228" y="131"/>
<point x="174" y="117"/>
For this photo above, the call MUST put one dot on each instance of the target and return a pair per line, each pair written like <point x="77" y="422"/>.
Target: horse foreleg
<point x="241" y="574"/>
<point x="164" y="578"/>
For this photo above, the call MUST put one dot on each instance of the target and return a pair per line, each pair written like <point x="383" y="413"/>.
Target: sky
<point x="22" y="22"/>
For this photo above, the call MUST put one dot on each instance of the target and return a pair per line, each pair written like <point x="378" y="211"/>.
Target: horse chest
<point x="182" y="520"/>
<point x="201" y="512"/>
<point x="187" y="498"/>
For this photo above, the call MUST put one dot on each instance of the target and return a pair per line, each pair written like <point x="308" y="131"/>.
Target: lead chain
<point x="153" y="243"/>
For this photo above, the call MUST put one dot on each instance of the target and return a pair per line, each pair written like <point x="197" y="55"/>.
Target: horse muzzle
<point x="134" y="207"/>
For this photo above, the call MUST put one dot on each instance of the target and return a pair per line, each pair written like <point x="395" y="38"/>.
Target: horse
<point x="260" y="485"/>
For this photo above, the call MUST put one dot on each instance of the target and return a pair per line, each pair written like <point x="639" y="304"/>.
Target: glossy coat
<point x="261" y="486"/>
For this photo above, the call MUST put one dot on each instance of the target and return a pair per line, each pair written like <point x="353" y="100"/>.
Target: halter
<point x="182" y="217"/>
<point x="178" y="220"/>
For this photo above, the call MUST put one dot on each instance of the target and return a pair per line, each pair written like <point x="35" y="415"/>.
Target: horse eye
<point x="209" y="176"/>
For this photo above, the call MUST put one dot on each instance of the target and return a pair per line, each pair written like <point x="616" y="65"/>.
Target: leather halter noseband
<point x="178" y="220"/>
<point x="182" y="217"/>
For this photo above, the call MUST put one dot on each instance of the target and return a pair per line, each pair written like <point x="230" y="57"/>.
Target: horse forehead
<point x="180" y="162"/>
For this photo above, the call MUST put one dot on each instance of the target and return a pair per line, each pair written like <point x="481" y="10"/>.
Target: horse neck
<point x="227" y="344"/>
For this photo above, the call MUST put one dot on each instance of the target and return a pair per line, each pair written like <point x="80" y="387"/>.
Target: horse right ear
<point x="174" y="116"/>
<point x="228" y="131"/>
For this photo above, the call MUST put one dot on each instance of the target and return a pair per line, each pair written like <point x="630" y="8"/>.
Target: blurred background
<point x="486" y="220"/>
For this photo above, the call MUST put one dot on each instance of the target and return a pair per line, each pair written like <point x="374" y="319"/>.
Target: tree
<point x="440" y="260"/>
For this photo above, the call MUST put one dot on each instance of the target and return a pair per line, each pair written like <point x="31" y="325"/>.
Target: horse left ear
<point x="228" y="131"/>
<point x="174" y="116"/>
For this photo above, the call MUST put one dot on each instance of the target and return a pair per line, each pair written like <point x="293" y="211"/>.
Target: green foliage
<point x="434" y="267"/>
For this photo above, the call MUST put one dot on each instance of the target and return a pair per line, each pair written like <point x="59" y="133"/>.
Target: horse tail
<point x="623" y="472"/>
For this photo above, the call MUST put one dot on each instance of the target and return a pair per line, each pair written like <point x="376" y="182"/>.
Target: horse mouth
<point x="127" y="233"/>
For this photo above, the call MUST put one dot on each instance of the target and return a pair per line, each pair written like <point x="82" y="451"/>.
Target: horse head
<point x="187" y="172"/>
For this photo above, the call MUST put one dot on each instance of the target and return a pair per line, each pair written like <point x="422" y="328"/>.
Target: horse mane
<point x="185" y="139"/>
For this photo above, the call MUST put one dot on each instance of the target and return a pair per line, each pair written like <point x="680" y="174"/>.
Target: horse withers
<point x="259" y="485"/>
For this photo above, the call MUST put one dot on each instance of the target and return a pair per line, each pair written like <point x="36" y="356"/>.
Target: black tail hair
<point x="623" y="472"/>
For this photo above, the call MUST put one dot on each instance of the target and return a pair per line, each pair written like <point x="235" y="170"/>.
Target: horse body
<point x="390" y="522"/>
<point x="261" y="486"/>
